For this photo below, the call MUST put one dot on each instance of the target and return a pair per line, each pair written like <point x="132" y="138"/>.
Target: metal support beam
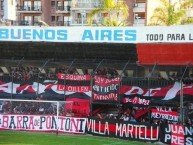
<point x="65" y="76"/>
<point x="97" y="67"/>
<point x="37" y="93"/>
<point x="120" y="76"/>
<point x="12" y="73"/>
<point x="148" y="82"/>
<point x="182" y="121"/>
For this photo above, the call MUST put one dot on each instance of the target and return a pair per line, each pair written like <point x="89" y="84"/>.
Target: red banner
<point x="79" y="106"/>
<point x="74" y="77"/>
<point x="165" y="54"/>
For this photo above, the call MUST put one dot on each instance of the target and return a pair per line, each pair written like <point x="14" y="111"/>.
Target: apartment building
<point x="68" y="12"/>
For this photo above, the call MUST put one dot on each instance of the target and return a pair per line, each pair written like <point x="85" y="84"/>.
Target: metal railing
<point x="29" y="8"/>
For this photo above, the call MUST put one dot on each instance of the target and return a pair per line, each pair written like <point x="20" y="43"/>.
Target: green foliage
<point x="116" y="12"/>
<point x="171" y="13"/>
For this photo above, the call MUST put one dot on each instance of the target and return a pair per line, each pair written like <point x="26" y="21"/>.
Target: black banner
<point x="175" y="134"/>
<point x="122" y="129"/>
<point x="105" y="90"/>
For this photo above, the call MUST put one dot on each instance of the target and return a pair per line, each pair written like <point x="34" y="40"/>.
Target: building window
<point x="53" y="4"/>
<point x="67" y="20"/>
<point x="37" y="5"/>
<point x="52" y="18"/>
<point x="59" y="18"/>
<point x="1" y="5"/>
<point x="59" y="4"/>
<point x="36" y="18"/>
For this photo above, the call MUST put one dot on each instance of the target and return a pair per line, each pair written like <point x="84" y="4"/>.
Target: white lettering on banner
<point x="102" y="80"/>
<point x="123" y="130"/>
<point x="179" y="129"/>
<point x="92" y="125"/>
<point x="167" y="114"/>
<point x="136" y="131"/>
<point x="43" y="123"/>
<point x="73" y="88"/>
<point x="164" y="109"/>
<point x="137" y="100"/>
<point x="164" y="116"/>
<point x="112" y="87"/>
<point x="74" y="77"/>
<point x="176" y="134"/>
<point x="110" y="96"/>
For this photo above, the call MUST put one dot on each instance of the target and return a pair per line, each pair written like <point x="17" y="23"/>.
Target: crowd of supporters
<point x="33" y="73"/>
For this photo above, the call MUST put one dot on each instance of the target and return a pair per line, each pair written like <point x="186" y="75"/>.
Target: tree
<point x="115" y="13"/>
<point x="171" y="13"/>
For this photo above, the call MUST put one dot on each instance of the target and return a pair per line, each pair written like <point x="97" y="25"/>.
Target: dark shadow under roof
<point x="66" y="51"/>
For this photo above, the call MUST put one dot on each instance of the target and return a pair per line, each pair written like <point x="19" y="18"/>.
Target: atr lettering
<point x="110" y="35"/>
<point x="154" y="37"/>
<point x="33" y="34"/>
<point x="175" y="37"/>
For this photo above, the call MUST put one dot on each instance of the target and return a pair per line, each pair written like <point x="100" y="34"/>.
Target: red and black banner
<point x="158" y="95"/>
<point x="122" y="129"/>
<point x="80" y="107"/>
<point x="164" y="114"/>
<point x="176" y="134"/>
<point x="105" y="90"/>
<point x="76" y="88"/>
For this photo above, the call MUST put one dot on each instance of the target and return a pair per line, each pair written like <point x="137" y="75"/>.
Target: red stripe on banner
<point x="27" y="88"/>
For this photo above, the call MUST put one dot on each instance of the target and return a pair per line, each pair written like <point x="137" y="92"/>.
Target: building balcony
<point x="139" y="7"/>
<point x="139" y="22"/>
<point x="79" y="21"/>
<point x="63" y="23"/>
<point x="29" y="9"/>
<point x="63" y="9"/>
<point x="83" y="5"/>
<point x="25" y="23"/>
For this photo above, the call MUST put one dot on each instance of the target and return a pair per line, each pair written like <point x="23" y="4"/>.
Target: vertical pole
<point x="181" y="103"/>
<point x="12" y="76"/>
<point x="37" y="93"/>
<point x="57" y="115"/>
<point x="148" y="81"/>
<point x="120" y="76"/>
<point x="65" y="77"/>
<point x="182" y="97"/>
